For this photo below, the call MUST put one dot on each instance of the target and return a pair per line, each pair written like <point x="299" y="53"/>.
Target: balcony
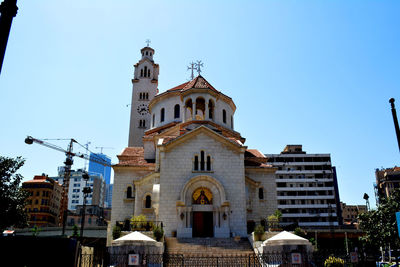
<point x="306" y="197"/>
<point x="302" y="171"/>
<point x="300" y="206"/>
<point x="328" y="188"/>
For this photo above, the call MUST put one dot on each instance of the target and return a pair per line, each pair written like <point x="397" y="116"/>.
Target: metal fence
<point x="287" y="259"/>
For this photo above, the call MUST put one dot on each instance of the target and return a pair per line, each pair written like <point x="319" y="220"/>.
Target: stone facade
<point x="192" y="171"/>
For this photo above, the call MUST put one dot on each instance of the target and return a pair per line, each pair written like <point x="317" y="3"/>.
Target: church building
<point x="185" y="165"/>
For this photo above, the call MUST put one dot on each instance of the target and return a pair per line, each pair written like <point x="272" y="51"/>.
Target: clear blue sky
<point x="316" y="73"/>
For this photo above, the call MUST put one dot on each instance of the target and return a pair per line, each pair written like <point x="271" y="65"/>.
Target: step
<point x="208" y="246"/>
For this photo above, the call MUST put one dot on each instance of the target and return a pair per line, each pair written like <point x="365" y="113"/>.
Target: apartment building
<point x="76" y="185"/>
<point x="44" y="201"/>
<point x="307" y="190"/>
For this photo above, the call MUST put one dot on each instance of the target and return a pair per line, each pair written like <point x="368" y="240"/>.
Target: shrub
<point x="138" y="222"/>
<point x="258" y="232"/>
<point x="158" y="233"/>
<point x="333" y="262"/>
<point x="75" y="231"/>
<point x="116" y="232"/>
<point x="300" y="232"/>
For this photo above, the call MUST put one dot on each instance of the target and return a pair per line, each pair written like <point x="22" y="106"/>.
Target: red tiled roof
<point x="255" y="153"/>
<point x="133" y="156"/>
<point x="197" y="83"/>
<point x="179" y="87"/>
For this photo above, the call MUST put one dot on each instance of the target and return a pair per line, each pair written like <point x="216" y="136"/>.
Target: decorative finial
<point x="192" y="68"/>
<point x="198" y="64"/>
<point x="148" y="42"/>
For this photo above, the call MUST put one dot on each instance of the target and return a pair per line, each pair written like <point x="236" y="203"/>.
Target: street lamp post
<point x="8" y="10"/>
<point x="86" y="191"/>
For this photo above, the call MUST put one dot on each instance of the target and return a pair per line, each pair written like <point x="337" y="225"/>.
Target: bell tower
<point x="144" y="88"/>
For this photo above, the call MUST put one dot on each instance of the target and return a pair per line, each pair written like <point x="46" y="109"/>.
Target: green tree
<point x="12" y="197"/>
<point x="380" y="225"/>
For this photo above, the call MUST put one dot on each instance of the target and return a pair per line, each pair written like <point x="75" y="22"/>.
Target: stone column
<point x="184" y="113"/>
<point x="193" y="110"/>
<point x="206" y="112"/>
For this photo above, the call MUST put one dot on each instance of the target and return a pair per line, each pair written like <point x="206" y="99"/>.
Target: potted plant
<point x="158" y="233"/>
<point x="258" y="232"/>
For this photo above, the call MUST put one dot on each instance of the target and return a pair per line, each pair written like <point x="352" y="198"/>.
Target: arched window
<point x="151" y="54"/>
<point x="154" y="120"/>
<point x="260" y="193"/>
<point x="147" y="95"/>
<point x="196" y="163"/>
<point x="148" y="202"/>
<point x="176" y="111"/>
<point x="129" y="192"/>
<point x="140" y="96"/>
<point x="202" y="160"/>
<point x="148" y="73"/>
<point x="162" y="115"/>
<point x="145" y="71"/>
<point x="147" y="53"/>
<point x="224" y="116"/>
<point x="143" y="123"/>
<point x="141" y="73"/>
<point x="208" y="163"/>
<point x="210" y="109"/>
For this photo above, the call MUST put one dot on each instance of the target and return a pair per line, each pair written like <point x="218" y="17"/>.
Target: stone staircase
<point x="203" y="247"/>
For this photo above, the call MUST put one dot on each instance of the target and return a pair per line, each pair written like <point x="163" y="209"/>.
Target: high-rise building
<point x="306" y="184"/>
<point x="44" y="201"/>
<point x="76" y="185"/>
<point x="100" y="169"/>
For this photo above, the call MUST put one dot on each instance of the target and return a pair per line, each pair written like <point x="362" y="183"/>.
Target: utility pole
<point x="396" y="122"/>
<point x="8" y="10"/>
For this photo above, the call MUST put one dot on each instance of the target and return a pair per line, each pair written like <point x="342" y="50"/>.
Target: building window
<point x="196" y="163"/>
<point x="148" y="202"/>
<point x="148" y="73"/>
<point x="208" y="163"/>
<point x="176" y="111"/>
<point x="129" y="192"/>
<point x="162" y="115"/>
<point x="141" y="73"/>
<point x="260" y="193"/>
<point x="154" y="120"/>
<point x="202" y="160"/>
<point x="224" y="116"/>
<point x="142" y="124"/>
<point x="145" y="71"/>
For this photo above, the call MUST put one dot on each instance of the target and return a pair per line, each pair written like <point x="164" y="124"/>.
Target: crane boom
<point x="30" y="140"/>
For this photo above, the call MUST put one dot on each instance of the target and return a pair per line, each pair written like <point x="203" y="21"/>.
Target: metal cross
<point x="148" y="42"/>
<point x="192" y="68"/>
<point x="198" y="64"/>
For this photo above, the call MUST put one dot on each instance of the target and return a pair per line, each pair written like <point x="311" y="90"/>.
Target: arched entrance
<point x="203" y="223"/>
<point x="203" y="210"/>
